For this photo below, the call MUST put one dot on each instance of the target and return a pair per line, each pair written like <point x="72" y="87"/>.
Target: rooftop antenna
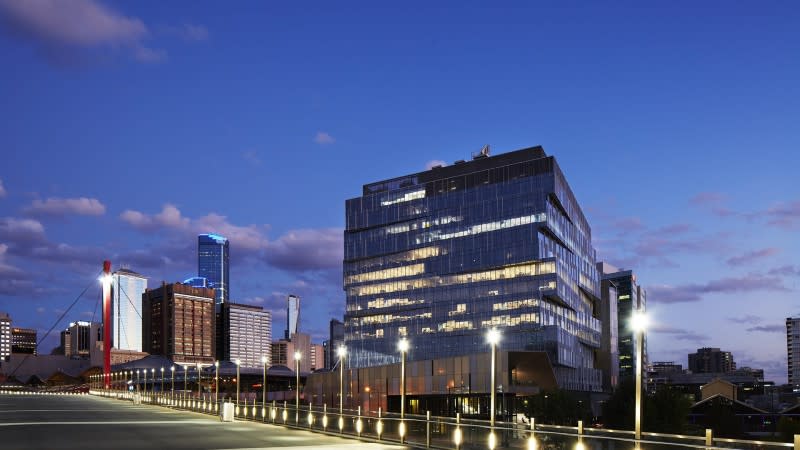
<point x="484" y="153"/>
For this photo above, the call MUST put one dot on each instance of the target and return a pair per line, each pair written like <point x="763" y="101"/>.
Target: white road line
<point x="112" y="422"/>
<point x="56" y="410"/>
<point x="358" y="445"/>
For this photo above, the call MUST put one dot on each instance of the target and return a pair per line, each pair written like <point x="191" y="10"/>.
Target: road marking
<point x="105" y="422"/>
<point x="57" y="410"/>
<point x="359" y="445"/>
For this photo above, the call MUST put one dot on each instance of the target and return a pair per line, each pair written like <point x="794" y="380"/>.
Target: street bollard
<point x="428" y="429"/>
<point x="457" y="433"/>
<point x="709" y="437"/>
<point x="358" y="423"/>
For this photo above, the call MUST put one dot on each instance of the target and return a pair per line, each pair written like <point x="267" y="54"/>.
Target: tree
<point x="557" y="407"/>
<point x="665" y="412"/>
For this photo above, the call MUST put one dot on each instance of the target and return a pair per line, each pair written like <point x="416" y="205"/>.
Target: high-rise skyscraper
<point x="608" y="355"/>
<point x="179" y="323"/>
<point x="444" y="255"/>
<point x="81" y="339"/>
<point x="213" y="264"/>
<point x="793" y="349"/>
<point x="631" y="297"/>
<point x="127" y="289"/>
<point x="246" y="334"/>
<point x="292" y="315"/>
<point x="5" y="336"/>
<point x="335" y="340"/>
<point x="711" y="360"/>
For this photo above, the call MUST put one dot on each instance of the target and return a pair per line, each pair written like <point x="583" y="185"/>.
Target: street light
<point x="237" y="382"/>
<point x="341" y="351"/>
<point x="172" y="382"/>
<point x="162" y="379"/>
<point x="199" y="377"/>
<point x="493" y="337"/>
<point x="153" y="387"/>
<point x="403" y="347"/>
<point x="297" y="357"/>
<point x="138" y="374"/>
<point x="264" y="383"/>
<point x="185" y="368"/>
<point x="638" y="324"/>
<point x="216" y="381"/>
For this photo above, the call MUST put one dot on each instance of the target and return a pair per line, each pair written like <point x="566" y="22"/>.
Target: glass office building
<point x="127" y="289"/>
<point x="631" y="297"/>
<point x="213" y="264"/>
<point x="292" y="316"/>
<point x="443" y="255"/>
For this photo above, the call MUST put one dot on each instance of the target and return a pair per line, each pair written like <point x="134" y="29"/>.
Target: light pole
<point x="341" y="351"/>
<point x="216" y="381"/>
<point x="199" y="377"/>
<point x="237" y="382"/>
<point x="403" y="347"/>
<point x="264" y="383"/>
<point x="638" y="324"/>
<point x="153" y="387"/>
<point x="172" y="381"/>
<point x="138" y="373"/>
<point x="185" y="368"/>
<point x="297" y="357"/>
<point x="493" y="337"/>
<point x="162" y="379"/>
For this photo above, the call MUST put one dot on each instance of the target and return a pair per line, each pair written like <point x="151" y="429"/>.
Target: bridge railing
<point x="426" y="431"/>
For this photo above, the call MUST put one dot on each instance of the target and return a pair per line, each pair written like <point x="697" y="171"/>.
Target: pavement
<point x="85" y="421"/>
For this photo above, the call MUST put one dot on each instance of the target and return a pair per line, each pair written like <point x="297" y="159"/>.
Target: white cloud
<point x="169" y="217"/>
<point x="66" y="206"/>
<point x="323" y="138"/>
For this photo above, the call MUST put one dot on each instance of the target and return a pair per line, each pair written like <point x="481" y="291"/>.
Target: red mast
<point x="107" y="323"/>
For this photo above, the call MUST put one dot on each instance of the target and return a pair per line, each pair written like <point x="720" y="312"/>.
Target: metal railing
<point x="426" y="431"/>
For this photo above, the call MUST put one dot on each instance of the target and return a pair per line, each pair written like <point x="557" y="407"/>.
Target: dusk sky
<point x="127" y="128"/>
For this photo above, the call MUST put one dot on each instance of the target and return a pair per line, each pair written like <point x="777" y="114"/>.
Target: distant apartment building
<point x="80" y="339"/>
<point x="292" y="316"/>
<point x="317" y="355"/>
<point x="283" y="352"/>
<point x="711" y="360"/>
<point x="608" y="355"/>
<point x="23" y="340"/>
<point x="793" y="349"/>
<point x="335" y="340"/>
<point x="631" y="297"/>
<point x="213" y="264"/>
<point x="246" y="334"/>
<point x="127" y="289"/>
<point x="179" y="323"/>
<point x="444" y="255"/>
<point x="5" y="336"/>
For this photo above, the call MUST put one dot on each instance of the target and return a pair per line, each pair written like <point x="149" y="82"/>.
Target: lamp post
<point x="341" y="351"/>
<point x="216" y="381"/>
<point x="237" y="382"/>
<point x="172" y="381"/>
<point x="153" y="387"/>
<point x="185" y="368"/>
<point x="138" y="373"/>
<point x="493" y="337"/>
<point x="403" y="347"/>
<point x="638" y="324"/>
<point x="162" y="379"/>
<point x="264" y="383"/>
<point x="297" y="357"/>
<point x="199" y="378"/>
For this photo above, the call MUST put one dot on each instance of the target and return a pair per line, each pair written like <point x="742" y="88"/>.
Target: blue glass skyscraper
<point x="443" y="255"/>
<point x="213" y="264"/>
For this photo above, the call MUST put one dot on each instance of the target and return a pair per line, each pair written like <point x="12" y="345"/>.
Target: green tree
<point x="665" y="412"/>
<point x="557" y="407"/>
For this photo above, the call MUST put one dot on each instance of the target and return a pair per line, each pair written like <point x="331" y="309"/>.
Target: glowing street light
<point x="172" y="382"/>
<point x="216" y="381"/>
<point x="238" y="362"/>
<point x="162" y="379"/>
<point x="403" y="347"/>
<point x="264" y="383"/>
<point x="199" y="378"/>
<point x="639" y="325"/>
<point x="297" y="357"/>
<point x="185" y="369"/>
<point x="342" y="352"/>
<point x="493" y="337"/>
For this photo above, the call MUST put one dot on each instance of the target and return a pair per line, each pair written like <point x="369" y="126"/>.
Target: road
<point x="84" y="422"/>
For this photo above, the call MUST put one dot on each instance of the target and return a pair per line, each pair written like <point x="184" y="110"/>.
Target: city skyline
<point x="680" y="153"/>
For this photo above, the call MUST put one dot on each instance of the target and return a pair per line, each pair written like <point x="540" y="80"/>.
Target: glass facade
<point x="213" y="264"/>
<point x="247" y="334"/>
<point x="127" y="289"/>
<point x="630" y="297"/>
<point x="292" y="316"/>
<point x="443" y="255"/>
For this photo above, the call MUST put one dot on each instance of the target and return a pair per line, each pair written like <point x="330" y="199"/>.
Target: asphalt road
<point x="88" y="422"/>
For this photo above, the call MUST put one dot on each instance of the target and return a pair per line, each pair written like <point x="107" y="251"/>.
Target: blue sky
<point x="129" y="127"/>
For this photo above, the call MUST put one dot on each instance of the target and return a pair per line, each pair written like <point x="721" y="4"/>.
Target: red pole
<point x="107" y="323"/>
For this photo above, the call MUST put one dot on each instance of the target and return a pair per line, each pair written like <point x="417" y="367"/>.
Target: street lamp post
<point x="153" y="387"/>
<point x="216" y="381"/>
<point x="297" y="357"/>
<point x="638" y="324"/>
<point x="264" y="383"/>
<point x="185" y="369"/>
<point x="341" y="351"/>
<point x="138" y="373"/>
<point x="493" y="336"/>
<point x="403" y="347"/>
<point x="237" y="383"/>
<point x="172" y="381"/>
<point x="199" y="377"/>
<point x="162" y="380"/>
